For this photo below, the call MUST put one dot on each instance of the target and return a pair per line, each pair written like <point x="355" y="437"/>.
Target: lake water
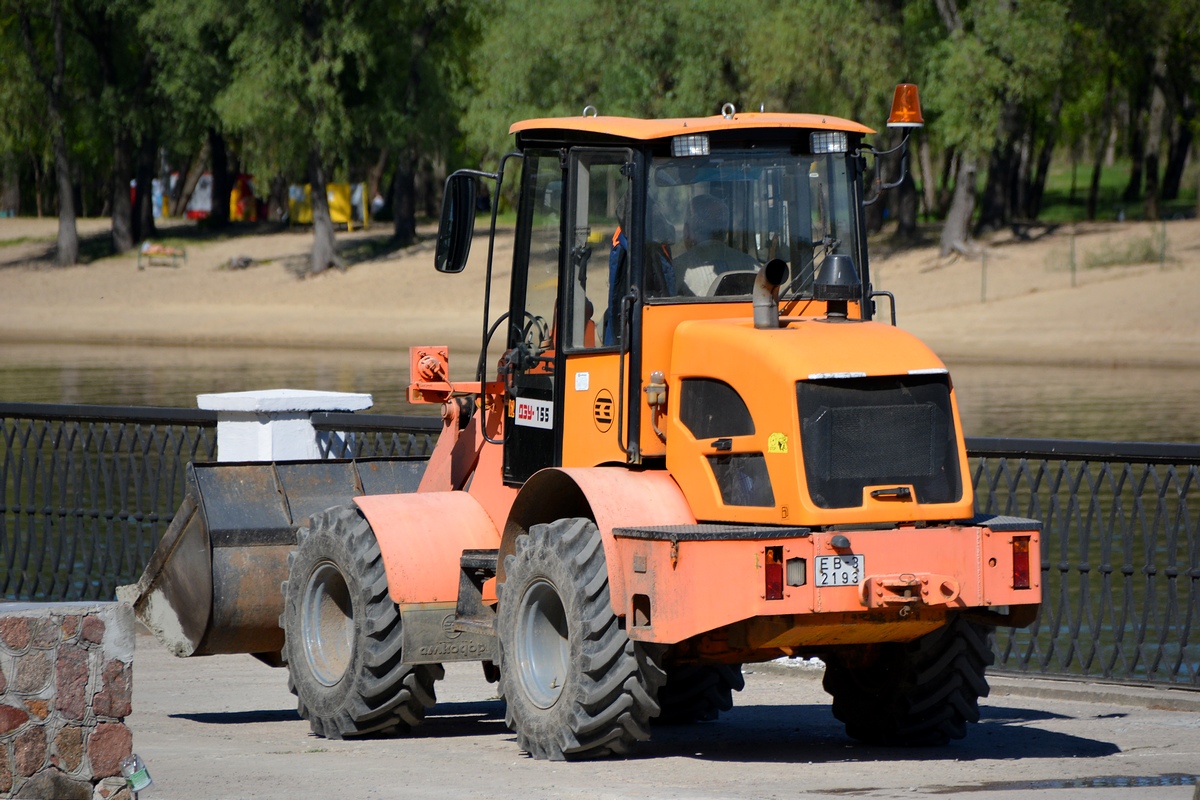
<point x="1131" y="404"/>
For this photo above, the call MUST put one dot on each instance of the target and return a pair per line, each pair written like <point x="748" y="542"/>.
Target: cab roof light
<point x="828" y="142"/>
<point x="695" y="144"/>
<point x="906" y="108"/>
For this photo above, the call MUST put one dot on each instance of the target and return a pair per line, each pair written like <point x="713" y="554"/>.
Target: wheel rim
<point x="544" y="653"/>
<point x="327" y="622"/>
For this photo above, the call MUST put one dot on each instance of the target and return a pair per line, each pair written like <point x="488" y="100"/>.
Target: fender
<point x="422" y="536"/>
<point x="610" y="496"/>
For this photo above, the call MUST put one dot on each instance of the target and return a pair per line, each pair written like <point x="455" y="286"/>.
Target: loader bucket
<point x="212" y="586"/>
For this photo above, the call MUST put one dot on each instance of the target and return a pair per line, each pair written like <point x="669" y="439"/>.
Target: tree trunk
<point x="221" y="184"/>
<point x="1154" y="132"/>
<point x="122" y="208"/>
<point x="1003" y="173"/>
<point x="1022" y="176"/>
<point x="1137" y="151"/>
<point x="277" y="204"/>
<point x="906" y="208"/>
<point x="181" y="198"/>
<point x="1177" y="151"/>
<point x="1045" y="155"/>
<point x="434" y="169"/>
<point x="1093" y="200"/>
<point x="324" y="254"/>
<point x="37" y="185"/>
<point x="956" y="233"/>
<point x="928" y="186"/>
<point x="1102" y="149"/>
<point x="946" y="187"/>
<point x="404" y="199"/>
<point x="143" y="206"/>
<point x="10" y="185"/>
<point x="67" y="250"/>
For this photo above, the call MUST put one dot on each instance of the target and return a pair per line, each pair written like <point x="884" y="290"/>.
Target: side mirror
<point x="457" y="225"/>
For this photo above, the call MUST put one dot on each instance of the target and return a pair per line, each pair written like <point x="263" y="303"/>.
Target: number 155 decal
<point x="534" y="413"/>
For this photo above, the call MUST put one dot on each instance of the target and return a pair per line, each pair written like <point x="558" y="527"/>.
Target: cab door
<point x="600" y="223"/>
<point x="533" y="415"/>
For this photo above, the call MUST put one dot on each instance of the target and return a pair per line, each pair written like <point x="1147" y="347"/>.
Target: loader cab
<point x="682" y="289"/>
<point x="627" y="229"/>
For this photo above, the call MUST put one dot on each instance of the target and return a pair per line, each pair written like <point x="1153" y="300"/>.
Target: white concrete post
<point x="274" y="424"/>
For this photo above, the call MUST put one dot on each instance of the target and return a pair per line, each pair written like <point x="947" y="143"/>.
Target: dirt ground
<point x="1012" y="303"/>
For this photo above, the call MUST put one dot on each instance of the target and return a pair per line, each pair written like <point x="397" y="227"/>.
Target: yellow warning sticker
<point x="777" y="443"/>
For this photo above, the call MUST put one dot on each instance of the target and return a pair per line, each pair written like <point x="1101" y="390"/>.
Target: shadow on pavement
<point x="240" y="717"/>
<point x="809" y="733"/>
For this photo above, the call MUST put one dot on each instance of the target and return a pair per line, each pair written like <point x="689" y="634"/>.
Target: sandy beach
<point x="1014" y="303"/>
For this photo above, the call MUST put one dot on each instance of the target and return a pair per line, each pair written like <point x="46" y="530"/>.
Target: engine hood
<point x="893" y="454"/>
<point x="804" y="348"/>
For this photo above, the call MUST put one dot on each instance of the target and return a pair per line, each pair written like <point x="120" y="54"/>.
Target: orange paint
<point x="764" y="366"/>
<point x="712" y="584"/>
<point x="422" y="536"/>
<point x="644" y="129"/>
<point x="613" y="497"/>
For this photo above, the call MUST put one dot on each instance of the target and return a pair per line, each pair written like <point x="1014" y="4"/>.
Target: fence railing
<point x="375" y="435"/>
<point x="1120" y="555"/>
<point x="88" y="492"/>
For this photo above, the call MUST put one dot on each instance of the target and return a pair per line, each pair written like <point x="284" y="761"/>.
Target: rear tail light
<point x="1020" y="562"/>
<point x="774" y="573"/>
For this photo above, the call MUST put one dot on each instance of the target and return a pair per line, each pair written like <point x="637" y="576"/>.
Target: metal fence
<point x="88" y="491"/>
<point x="1120" y="555"/>
<point x="343" y="435"/>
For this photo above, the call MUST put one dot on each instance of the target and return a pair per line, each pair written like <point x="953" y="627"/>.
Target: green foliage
<point x="431" y="79"/>
<point x="830" y="57"/>
<point x="1005" y="52"/>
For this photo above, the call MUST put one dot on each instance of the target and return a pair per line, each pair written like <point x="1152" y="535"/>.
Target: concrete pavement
<point x="225" y="727"/>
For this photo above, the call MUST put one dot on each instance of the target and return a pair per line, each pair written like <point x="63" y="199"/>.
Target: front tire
<point x="342" y="634"/>
<point x="917" y="694"/>
<point x="575" y="685"/>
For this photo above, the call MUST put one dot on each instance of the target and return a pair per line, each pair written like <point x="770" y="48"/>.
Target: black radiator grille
<point x="892" y="431"/>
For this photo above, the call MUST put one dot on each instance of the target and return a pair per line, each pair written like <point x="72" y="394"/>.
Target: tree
<point x="988" y="66"/>
<point x="126" y="69"/>
<point x="414" y="112"/>
<point x="43" y="37"/>
<point x="299" y="72"/>
<point x="191" y="41"/>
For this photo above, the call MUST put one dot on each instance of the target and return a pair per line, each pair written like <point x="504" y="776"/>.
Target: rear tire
<point x="342" y="634"/>
<point x="698" y="692"/>
<point x="575" y="685"/>
<point x="917" y="694"/>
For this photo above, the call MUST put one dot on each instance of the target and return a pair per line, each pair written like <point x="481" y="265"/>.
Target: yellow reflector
<point x="906" y="108"/>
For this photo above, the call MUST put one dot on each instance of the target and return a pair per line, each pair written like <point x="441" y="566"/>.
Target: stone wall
<point x="66" y="679"/>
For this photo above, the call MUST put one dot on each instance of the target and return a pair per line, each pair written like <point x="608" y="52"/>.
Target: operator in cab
<point x="708" y="256"/>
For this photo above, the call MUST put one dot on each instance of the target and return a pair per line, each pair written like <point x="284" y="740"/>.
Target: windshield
<point x="714" y="220"/>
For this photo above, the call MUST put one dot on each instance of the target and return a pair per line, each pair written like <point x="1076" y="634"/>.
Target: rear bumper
<point x="682" y="581"/>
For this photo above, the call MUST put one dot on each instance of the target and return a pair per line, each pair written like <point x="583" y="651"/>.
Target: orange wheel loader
<point x="698" y="450"/>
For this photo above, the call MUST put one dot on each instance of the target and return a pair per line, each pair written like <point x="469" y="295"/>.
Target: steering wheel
<point x="535" y="324"/>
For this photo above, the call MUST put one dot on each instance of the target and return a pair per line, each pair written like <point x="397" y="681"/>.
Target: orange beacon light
<point x="906" y="108"/>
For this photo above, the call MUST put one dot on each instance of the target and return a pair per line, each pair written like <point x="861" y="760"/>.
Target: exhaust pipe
<point x="766" y="293"/>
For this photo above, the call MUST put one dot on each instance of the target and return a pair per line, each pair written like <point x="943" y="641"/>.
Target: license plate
<point x="839" y="570"/>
